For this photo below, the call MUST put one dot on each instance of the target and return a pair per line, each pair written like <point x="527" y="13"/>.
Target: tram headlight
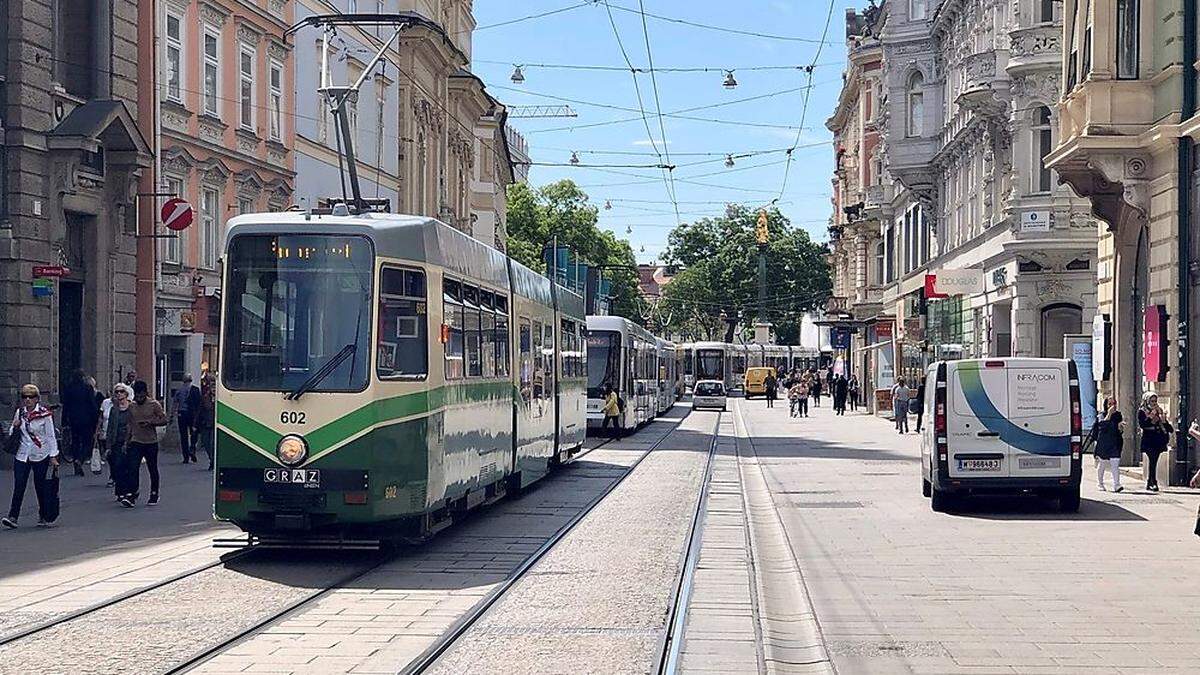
<point x="292" y="449"/>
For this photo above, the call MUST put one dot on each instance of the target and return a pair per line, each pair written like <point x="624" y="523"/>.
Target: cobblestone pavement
<point x="599" y="601"/>
<point x="100" y="550"/>
<point x="1007" y="585"/>
<point x="389" y="617"/>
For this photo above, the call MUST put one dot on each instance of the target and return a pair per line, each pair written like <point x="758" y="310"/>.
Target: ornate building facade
<point x="966" y="121"/>
<point x="1127" y="127"/>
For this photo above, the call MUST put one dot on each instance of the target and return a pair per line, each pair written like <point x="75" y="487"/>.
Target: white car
<point x="1002" y="425"/>
<point x="708" y="394"/>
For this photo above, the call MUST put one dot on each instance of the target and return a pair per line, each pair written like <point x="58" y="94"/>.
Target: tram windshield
<point x="710" y="364"/>
<point x="604" y="361"/>
<point x="295" y="303"/>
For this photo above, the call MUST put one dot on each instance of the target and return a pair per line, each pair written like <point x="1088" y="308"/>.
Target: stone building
<point x="70" y="159"/>
<point x="227" y="118"/>
<point x="429" y="138"/>
<point x="1126" y="124"/>
<point x="967" y="120"/>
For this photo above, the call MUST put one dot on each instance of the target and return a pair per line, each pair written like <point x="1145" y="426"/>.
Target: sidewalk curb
<point x="792" y="638"/>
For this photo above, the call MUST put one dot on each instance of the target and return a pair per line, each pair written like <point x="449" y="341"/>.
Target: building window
<point x="1085" y="68"/>
<point x="403" y="325"/>
<point x="1046" y="11"/>
<point x="353" y="72"/>
<point x="916" y="105"/>
<point x="212" y="72"/>
<point x="171" y="249"/>
<point x="246" y="88"/>
<point x="245" y="205"/>
<point x="75" y="31"/>
<point x="1041" y="148"/>
<point x="174" y="60"/>
<point x="422" y="171"/>
<point x="1127" y="39"/>
<point x="924" y="225"/>
<point x="916" y="10"/>
<point x="209" y="222"/>
<point x="275" y="108"/>
<point x="889" y="238"/>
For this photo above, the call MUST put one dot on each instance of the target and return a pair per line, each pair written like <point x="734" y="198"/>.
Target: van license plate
<point x="978" y="465"/>
<point x="1039" y="462"/>
<point x="309" y="478"/>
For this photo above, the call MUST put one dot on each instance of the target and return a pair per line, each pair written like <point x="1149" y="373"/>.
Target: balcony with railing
<point x="878" y="201"/>
<point x="1035" y="47"/>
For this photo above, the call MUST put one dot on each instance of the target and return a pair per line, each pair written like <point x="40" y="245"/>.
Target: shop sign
<point x="1154" y="348"/>
<point x="883" y="331"/>
<point x="1101" y="348"/>
<point x="948" y="282"/>
<point x="912" y="330"/>
<point x="47" y="271"/>
<point x="839" y="338"/>
<point x="43" y="288"/>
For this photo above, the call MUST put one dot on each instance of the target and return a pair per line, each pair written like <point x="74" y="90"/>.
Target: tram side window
<point x="471" y="329"/>
<point x="548" y="359"/>
<point x="452" y="319"/>
<point x="403" y="351"/>
<point x="539" y="362"/>
<point x="525" y="360"/>
<point x="502" y="336"/>
<point x="487" y="332"/>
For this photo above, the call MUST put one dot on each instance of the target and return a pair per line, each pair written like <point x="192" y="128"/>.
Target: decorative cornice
<point x="213" y="14"/>
<point x="249" y="34"/>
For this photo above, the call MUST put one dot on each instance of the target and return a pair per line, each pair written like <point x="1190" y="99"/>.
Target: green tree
<point x="719" y="275"/>
<point x="562" y="209"/>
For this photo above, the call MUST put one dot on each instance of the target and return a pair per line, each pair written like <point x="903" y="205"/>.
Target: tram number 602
<point x="291" y="417"/>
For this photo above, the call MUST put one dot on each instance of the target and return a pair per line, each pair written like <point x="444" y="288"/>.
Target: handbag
<point x="12" y="443"/>
<point x="97" y="464"/>
<point x="914" y="406"/>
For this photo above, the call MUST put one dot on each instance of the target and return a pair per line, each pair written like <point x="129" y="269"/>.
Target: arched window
<point x="1059" y="320"/>
<point x="1041" y="146"/>
<point x="915" y="99"/>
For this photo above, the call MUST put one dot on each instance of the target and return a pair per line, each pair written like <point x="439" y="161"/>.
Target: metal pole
<point x="1183" y="311"/>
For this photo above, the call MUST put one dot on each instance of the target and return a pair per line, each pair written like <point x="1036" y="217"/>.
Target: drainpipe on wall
<point x="1186" y="166"/>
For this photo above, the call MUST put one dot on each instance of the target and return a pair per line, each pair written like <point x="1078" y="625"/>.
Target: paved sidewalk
<point x="1006" y="585"/>
<point x="100" y="550"/>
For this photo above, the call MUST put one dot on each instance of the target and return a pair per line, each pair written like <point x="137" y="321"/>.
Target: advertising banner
<point x="1078" y="348"/>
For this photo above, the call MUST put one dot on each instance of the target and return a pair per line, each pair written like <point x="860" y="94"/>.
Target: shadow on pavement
<point x="1030" y="507"/>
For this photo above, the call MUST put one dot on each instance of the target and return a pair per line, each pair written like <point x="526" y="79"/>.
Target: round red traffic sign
<point x="177" y="214"/>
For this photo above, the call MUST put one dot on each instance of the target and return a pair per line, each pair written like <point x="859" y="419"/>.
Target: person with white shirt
<point x="37" y="454"/>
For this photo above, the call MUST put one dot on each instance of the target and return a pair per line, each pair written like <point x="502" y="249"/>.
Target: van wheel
<point x="1068" y="501"/>
<point x="940" y="501"/>
<point x="926" y="488"/>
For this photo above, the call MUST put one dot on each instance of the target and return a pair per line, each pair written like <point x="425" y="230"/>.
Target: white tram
<point x="668" y="374"/>
<point x="623" y="356"/>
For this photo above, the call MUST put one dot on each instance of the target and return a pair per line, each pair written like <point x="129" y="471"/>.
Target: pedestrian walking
<point x="102" y="433"/>
<point x="186" y="403"/>
<point x="612" y="410"/>
<point x="900" y="396"/>
<point x="919" y="402"/>
<point x="36" y="453"/>
<point x="841" y="391"/>
<point x="1107" y="433"/>
<point x="1156" y="431"/>
<point x="206" y="418"/>
<point x="814" y="388"/>
<point x="793" y="394"/>
<point x="130" y="377"/>
<point x="118" y="427"/>
<point x="147" y="416"/>
<point x="80" y="416"/>
<point x="772" y="386"/>
<point x="854" y="389"/>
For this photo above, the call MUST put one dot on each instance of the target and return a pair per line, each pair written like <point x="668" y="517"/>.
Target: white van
<point x="1002" y="425"/>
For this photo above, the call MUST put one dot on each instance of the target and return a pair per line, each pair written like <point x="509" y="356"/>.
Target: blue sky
<point x="584" y="36"/>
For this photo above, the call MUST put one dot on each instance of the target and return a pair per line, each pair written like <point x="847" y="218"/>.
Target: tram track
<point x="670" y="643"/>
<point x="73" y="615"/>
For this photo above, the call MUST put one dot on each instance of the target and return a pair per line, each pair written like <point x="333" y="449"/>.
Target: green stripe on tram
<point x="372" y="414"/>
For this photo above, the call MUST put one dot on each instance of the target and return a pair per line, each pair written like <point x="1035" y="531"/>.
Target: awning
<point x="101" y="123"/>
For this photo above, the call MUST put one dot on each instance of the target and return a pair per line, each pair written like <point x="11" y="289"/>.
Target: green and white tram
<point x="380" y="373"/>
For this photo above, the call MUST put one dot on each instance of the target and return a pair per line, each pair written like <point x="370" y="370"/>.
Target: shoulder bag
<point x="12" y="442"/>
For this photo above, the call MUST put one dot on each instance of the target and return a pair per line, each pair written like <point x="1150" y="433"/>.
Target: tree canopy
<point x="535" y="215"/>
<point x="718" y="261"/>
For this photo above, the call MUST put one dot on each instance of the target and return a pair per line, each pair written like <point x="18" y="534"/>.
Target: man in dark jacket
<point x="187" y="404"/>
<point x="80" y="415"/>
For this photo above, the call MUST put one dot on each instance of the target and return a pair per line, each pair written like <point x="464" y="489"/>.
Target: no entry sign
<point x="177" y="214"/>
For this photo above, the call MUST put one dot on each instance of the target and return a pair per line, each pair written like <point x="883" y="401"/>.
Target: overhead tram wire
<point x="651" y="68"/>
<point x="641" y="105"/>
<point x="807" y="96"/>
<point x="722" y="29"/>
<point x="530" y="17"/>
<point x="662" y="128"/>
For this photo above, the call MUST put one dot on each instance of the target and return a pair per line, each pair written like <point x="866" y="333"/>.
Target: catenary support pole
<point x="1186" y="165"/>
